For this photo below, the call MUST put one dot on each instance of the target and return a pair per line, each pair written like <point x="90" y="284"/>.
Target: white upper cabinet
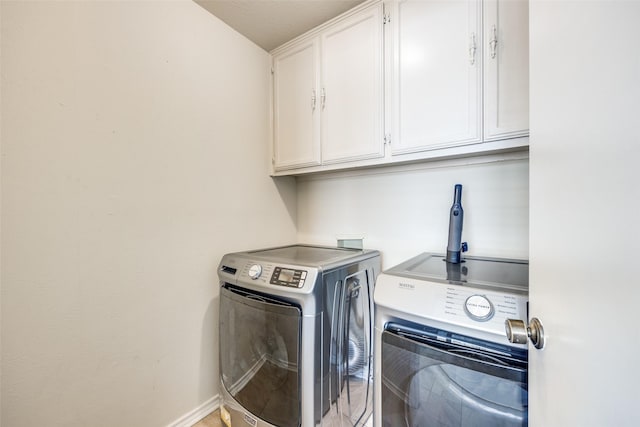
<point x="295" y="114"/>
<point x="506" y="65"/>
<point x="403" y="81"/>
<point x="436" y="74"/>
<point x="328" y="104"/>
<point x="459" y="75"/>
<point x="352" y="88"/>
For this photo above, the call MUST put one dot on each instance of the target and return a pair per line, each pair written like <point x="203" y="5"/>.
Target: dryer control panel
<point x="288" y="277"/>
<point x="260" y="273"/>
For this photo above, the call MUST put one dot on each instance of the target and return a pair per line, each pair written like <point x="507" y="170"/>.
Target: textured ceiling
<point x="270" y="23"/>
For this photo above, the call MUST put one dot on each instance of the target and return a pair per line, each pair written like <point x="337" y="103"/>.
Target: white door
<point x="437" y="64"/>
<point x="296" y="106"/>
<point x="585" y="212"/>
<point x="351" y="94"/>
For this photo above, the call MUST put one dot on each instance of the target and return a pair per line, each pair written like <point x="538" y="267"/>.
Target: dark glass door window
<point x="434" y="380"/>
<point x="259" y="354"/>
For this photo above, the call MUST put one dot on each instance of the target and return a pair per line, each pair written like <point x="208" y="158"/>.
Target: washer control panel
<point x="465" y="307"/>
<point x="487" y="307"/>
<point x="288" y="277"/>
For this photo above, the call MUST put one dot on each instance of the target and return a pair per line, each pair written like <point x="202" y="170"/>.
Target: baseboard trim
<point x="192" y="417"/>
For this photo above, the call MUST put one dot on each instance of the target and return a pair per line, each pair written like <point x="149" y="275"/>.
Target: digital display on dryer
<point x="288" y="277"/>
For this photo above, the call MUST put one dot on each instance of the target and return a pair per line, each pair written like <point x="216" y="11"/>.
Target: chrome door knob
<point x="518" y="332"/>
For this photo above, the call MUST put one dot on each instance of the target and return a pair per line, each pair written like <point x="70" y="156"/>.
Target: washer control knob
<point x="255" y="271"/>
<point x="479" y="308"/>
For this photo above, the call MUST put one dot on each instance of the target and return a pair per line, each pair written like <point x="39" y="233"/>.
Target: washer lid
<point x="498" y="273"/>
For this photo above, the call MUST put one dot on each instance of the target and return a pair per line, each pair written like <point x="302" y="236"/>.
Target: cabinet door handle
<point x="313" y="99"/>
<point x="493" y="43"/>
<point x="472" y="49"/>
<point x="323" y="97"/>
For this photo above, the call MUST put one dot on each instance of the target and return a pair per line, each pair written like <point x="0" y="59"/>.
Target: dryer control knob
<point x="255" y="271"/>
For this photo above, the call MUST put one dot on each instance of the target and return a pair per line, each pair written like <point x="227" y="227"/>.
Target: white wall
<point x="134" y="155"/>
<point x="405" y="211"/>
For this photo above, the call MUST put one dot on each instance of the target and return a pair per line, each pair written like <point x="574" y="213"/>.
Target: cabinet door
<point x="506" y="47"/>
<point x="437" y="68"/>
<point x="351" y="94"/>
<point x="296" y="107"/>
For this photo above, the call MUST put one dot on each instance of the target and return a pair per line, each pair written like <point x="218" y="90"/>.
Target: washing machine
<point x="296" y="336"/>
<point x="442" y="353"/>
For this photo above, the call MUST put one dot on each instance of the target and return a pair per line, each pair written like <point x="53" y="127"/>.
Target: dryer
<point x="442" y="354"/>
<point x="296" y="336"/>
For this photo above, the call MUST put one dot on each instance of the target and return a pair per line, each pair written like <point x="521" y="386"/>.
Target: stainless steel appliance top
<point x="317" y="256"/>
<point x="477" y="272"/>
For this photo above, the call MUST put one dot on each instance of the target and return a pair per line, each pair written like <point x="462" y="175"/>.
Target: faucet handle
<point x="464" y="247"/>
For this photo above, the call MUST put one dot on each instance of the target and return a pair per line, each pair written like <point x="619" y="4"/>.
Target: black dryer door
<point x="435" y="378"/>
<point x="260" y="354"/>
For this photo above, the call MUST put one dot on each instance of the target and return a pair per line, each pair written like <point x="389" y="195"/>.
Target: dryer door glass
<point x="259" y="354"/>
